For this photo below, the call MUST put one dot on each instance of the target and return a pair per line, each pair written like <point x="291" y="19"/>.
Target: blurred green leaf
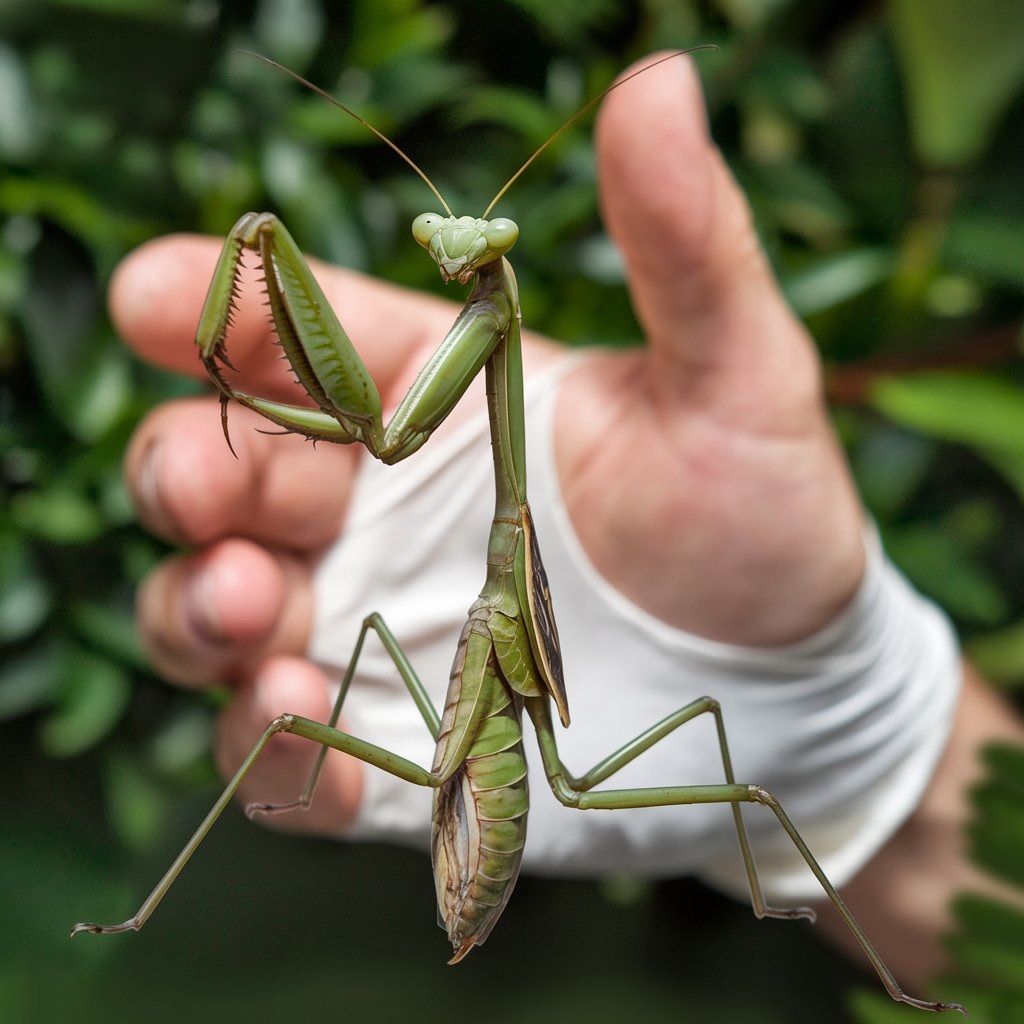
<point x="865" y="134"/>
<point x="980" y="410"/>
<point x="138" y="806"/>
<point x="111" y="630"/>
<point x="999" y="655"/>
<point x="989" y="942"/>
<point x="93" y="693"/>
<point x="420" y="83"/>
<point x="28" y="682"/>
<point x="997" y="833"/>
<point x="156" y="10"/>
<point x="389" y="30"/>
<point x="942" y="46"/>
<point x="890" y="464"/>
<point x="937" y="563"/>
<point x="78" y="211"/>
<point x="19" y="118"/>
<point x="977" y="409"/>
<point x="837" y="278"/>
<point x="289" y="30"/>
<point x="24" y="603"/>
<point x="568" y="23"/>
<point x="872" y="1008"/>
<point x="529" y="116"/>
<point x="24" y="594"/>
<point x="183" y="741"/>
<point x="798" y="198"/>
<point x="103" y="394"/>
<point x="988" y="242"/>
<point x="57" y="514"/>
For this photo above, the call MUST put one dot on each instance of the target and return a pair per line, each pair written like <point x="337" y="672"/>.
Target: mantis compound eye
<point x="501" y="234"/>
<point x="425" y="226"/>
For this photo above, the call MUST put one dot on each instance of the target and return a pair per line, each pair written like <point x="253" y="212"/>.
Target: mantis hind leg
<point x="578" y="792"/>
<point x="328" y="737"/>
<point x="581" y="797"/>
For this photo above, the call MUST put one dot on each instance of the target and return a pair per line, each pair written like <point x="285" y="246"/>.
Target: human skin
<point x="754" y="535"/>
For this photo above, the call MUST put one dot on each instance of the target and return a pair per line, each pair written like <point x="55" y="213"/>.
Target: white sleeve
<point x="844" y="728"/>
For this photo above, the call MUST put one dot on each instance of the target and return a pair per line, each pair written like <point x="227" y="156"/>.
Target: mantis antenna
<point x="362" y="120"/>
<point x="515" y="177"/>
<point x="579" y="113"/>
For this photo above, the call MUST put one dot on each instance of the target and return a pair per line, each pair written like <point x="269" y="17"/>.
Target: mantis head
<point x="461" y="245"/>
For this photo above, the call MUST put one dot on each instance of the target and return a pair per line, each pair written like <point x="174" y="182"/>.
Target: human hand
<point x="753" y="534"/>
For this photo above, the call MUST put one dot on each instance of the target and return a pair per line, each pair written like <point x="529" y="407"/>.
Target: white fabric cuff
<point x="844" y="728"/>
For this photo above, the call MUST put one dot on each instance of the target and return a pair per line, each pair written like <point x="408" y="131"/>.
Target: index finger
<point x="158" y="291"/>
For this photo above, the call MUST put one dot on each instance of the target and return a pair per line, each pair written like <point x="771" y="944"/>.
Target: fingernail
<point x="199" y="607"/>
<point x="148" y="495"/>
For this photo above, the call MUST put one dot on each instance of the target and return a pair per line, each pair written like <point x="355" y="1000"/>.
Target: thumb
<point x="717" y="325"/>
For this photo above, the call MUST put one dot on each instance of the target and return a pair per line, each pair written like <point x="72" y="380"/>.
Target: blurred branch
<point x="850" y="383"/>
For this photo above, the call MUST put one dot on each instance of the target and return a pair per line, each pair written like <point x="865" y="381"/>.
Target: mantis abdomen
<point x="480" y="811"/>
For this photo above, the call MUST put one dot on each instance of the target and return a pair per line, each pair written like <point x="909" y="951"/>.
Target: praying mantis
<point x="508" y="659"/>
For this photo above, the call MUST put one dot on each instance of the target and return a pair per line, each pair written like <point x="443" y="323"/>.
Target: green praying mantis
<point x="508" y="659"/>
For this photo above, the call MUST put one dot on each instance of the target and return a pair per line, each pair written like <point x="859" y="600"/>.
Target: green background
<point x="881" y="145"/>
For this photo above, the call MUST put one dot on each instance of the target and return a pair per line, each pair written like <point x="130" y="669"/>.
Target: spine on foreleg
<point x="480" y="829"/>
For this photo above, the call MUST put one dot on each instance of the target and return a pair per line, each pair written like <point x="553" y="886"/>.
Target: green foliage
<point x="988" y="943"/>
<point x="943" y="45"/>
<point x="881" y="149"/>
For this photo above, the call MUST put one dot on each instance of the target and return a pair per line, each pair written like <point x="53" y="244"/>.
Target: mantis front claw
<point x="316" y="346"/>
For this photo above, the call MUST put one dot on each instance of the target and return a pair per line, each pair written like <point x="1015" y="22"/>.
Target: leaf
<point x="871" y="1008"/>
<point x="936" y="562"/>
<point x="111" y="630"/>
<point x="988" y="242"/>
<point x="999" y="655"/>
<point x="963" y="63"/>
<point x="976" y="409"/>
<point x="57" y="514"/>
<point x="982" y="411"/>
<point x="836" y="278"/>
<point x="28" y="682"/>
<point x="137" y="805"/>
<point x="865" y="133"/>
<point x="19" y="120"/>
<point x="289" y="30"/>
<point x="997" y="833"/>
<point x="104" y="392"/>
<point x="510" y="108"/>
<point x="153" y="10"/>
<point x="82" y="214"/>
<point x="569" y="23"/>
<point x="93" y="694"/>
<point x="24" y="594"/>
<point x="889" y="465"/>
<point x="990" y="941"/>
<point x="799" y="198"/>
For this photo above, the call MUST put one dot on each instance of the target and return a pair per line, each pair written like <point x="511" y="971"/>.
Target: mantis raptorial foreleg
<point x="323" y="357"/>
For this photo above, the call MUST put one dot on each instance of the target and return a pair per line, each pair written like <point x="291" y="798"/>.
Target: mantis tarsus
<point x="508" y="659"/>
